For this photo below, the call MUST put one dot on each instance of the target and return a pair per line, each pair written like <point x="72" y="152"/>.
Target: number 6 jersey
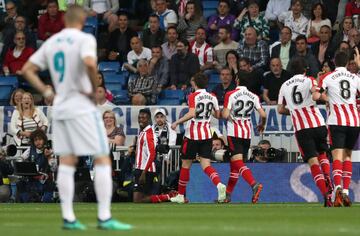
<point x="198" y="128"/>
<point x="296" y="94"/>
<point x="341" y="87"/>
<point x="241" y="103"/>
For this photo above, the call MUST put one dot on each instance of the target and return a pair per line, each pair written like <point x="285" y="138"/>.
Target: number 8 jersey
<point x="296" y="94"/>
<point x="241" y="103"/>
<point x="341" y="87"/>
<point x="198" y="128"/>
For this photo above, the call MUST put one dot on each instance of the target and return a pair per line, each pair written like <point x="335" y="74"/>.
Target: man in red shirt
<point x="51" y="22"/>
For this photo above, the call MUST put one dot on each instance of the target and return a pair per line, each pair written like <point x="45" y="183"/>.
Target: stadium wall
<point x="279" y="130"/>
<point x="283" y="182"/>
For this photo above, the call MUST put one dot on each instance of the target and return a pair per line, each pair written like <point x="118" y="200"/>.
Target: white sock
<point x="103" y="189"/>
<point x="346" y="191"/>
<point x="66" y="186"/>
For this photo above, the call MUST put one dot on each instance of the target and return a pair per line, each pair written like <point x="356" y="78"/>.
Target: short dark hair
<point x="224" y="1"/>
<point x="327" y="27"/>
<point x="298" y="65"/>
<point x="341" y="59"/>
<point x="123" y="13"/>
<point x="38" y="133"/>
<point x="183" y="41"/>
<point x="201" y="80"/>
<point x="264" y="141"/>
<point x="323" y="9"/>
<point x="155" y="16"/>
<point x="287" y="27"/>
<point x="226" y="28"/>
<point x="156" y="46"/>
<point x="146" y="111"/>
<point x="171" y="27"/>
<point x="52" y="1"/>
<point x="245" y="59"/>
<point x="300" y="37"/>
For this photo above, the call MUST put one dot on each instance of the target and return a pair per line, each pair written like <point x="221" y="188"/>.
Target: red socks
<point x="245" y="172"/>
<point x="319" y="178"/>
<point x="183" y="180"/>
<point x="213" y="175"/>
<point x="159" y="198"/>
<point x="324" y="163"/>
<point x="346" y="174"/>
<point x="337" y="172"/>
<point x="234" y="176"/>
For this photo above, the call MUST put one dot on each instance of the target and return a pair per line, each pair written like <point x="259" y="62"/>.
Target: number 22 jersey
<point x="198" y="128"/>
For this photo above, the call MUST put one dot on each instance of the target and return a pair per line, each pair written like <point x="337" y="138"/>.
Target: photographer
<point x="39" y="188"/>
<point x="263" y="153"/>
<point x="5" y="170"/>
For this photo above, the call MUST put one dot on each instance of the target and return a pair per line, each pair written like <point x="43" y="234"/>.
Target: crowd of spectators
<point x="173" y="40"/>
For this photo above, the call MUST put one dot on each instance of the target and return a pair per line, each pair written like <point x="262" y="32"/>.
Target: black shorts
<point x="238" y="146"/>
<point x="343" y="137"/>
<point x="149" y="183"/>
<point x="191" y="148"/>
<point x="312" y="142"/>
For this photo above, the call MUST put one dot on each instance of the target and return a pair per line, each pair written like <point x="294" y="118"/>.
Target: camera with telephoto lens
<point x="8" y="151"/>
<point x="270" y="155"/>
<point x="48" y="145"/>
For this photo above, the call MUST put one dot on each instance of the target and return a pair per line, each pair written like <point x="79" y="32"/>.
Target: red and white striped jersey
<point x="241" y="103"/>
<point x="342" y="87"/>
<point x="145" y="150"/>
<point x="204" y="53"/>
<point x="198" y="128"/>
<point x="296" y="94"/>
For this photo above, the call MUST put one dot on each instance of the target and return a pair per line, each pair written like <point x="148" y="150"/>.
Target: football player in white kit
<point x="78" y="130"/>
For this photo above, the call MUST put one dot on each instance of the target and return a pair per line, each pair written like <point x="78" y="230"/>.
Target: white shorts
<point x="81" y="136"/>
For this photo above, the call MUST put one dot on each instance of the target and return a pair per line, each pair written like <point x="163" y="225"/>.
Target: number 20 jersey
<point x="241" y="103"/>
<point x="341" y="87"/>
<point x="296" y="94"/>
<point x="198" y="128"/>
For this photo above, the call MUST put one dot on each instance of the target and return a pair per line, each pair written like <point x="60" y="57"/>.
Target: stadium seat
<point x="210" y="4"/>
<point x="208" y="12"/>
<point x="214" y="78"/>
<point x="92" y="21"/>
<point x="169" y="102"/>
<point x="172" y="94"/>
<point x="115" y="79"/>
<point x="7" y="85"/>
<point x="91" y="26"/>
<point x="89" y="29"/>
<point x="106" y="66"/>
<point x="121" y="97"/>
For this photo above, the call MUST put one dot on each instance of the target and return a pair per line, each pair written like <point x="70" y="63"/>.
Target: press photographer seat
<point x="25" y="169"/>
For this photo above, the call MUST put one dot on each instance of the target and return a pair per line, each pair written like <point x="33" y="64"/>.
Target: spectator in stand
<point x="273" y="81"/>
<point x="286" y="48"/>
<point x="15" y="58"/>
<point x="104" y="10"/>
<point x="47" y="101"/>
<point x="203" y="51"/>
<point x="318" y="19"/>
<point x="354" y="38"/>
<point x="115" y="134"/>
<point x="251" y="16"/>
<point x="159" y="67"/>
<point x="119" y="40"/>
<point x="101" y="82"/>
<point x="232" y="62"/>
<point x="223" y="18"/>
<point x="183" y="65"/>
<point x="274" y="9"/>
<point x="236" y="6"/>
<point x="191" y="21"/>
<point x="138" y="52"/>
<point x="19" y="25"/>
<point x="153" y="35"/>
<point x="100" y="98"/>
<point x="142" y="85"/>
<point x="294" y="19"/>
<point x="226" y="44"/>
<point x="169" y="47"/>
<point x="26" y="119"/>
<point x="352" y="8"/>
<point x="179" y="6"/>
<point x="343" y="33"/>
<point x="302" y="51"/>
<point x="227" y="84"/>
<point x="16" y="97"/>
<point x="167" y="17"/>
<point x="307" y="6"/>
<point x="7" y="20"/>
<point x="323" y="49"/>
<point x="352" y="66"/>
<point x="51" y="22"/>
<point x="326" y="67"/>
<point x="250" y="77"/>
<point x="257" y="51"/>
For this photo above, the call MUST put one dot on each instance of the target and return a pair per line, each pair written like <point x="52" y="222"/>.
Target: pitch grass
<point x="188" y="219"/>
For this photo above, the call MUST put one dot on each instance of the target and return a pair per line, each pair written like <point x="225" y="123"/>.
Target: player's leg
<point x="205" y="154"/>
<point x="319" y="180"/>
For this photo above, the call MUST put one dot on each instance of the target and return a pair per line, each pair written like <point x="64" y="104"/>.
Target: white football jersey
<point x="296" y="94"/>
<point x="342" y="87"/>
<point x="63" y="55"/>
<point x="241" y="103"/>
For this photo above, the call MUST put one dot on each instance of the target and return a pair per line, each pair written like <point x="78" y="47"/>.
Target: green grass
<point x="188" y="219"/>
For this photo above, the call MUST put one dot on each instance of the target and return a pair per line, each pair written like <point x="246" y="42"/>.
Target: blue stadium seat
<point x="169" y="102"/>
<point x="89" y="29"/>
<point x="7" y="85"/>
<point x="214" y="78"/>
<point x="121" y="97"/>
<point x="210" y="4"/>
<point x="115" y="79"/>
<point x="92" y="21"/>
<point x="172" y="94"/>
<point x="106" y="66"/>
<point x="208" y="12"/>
